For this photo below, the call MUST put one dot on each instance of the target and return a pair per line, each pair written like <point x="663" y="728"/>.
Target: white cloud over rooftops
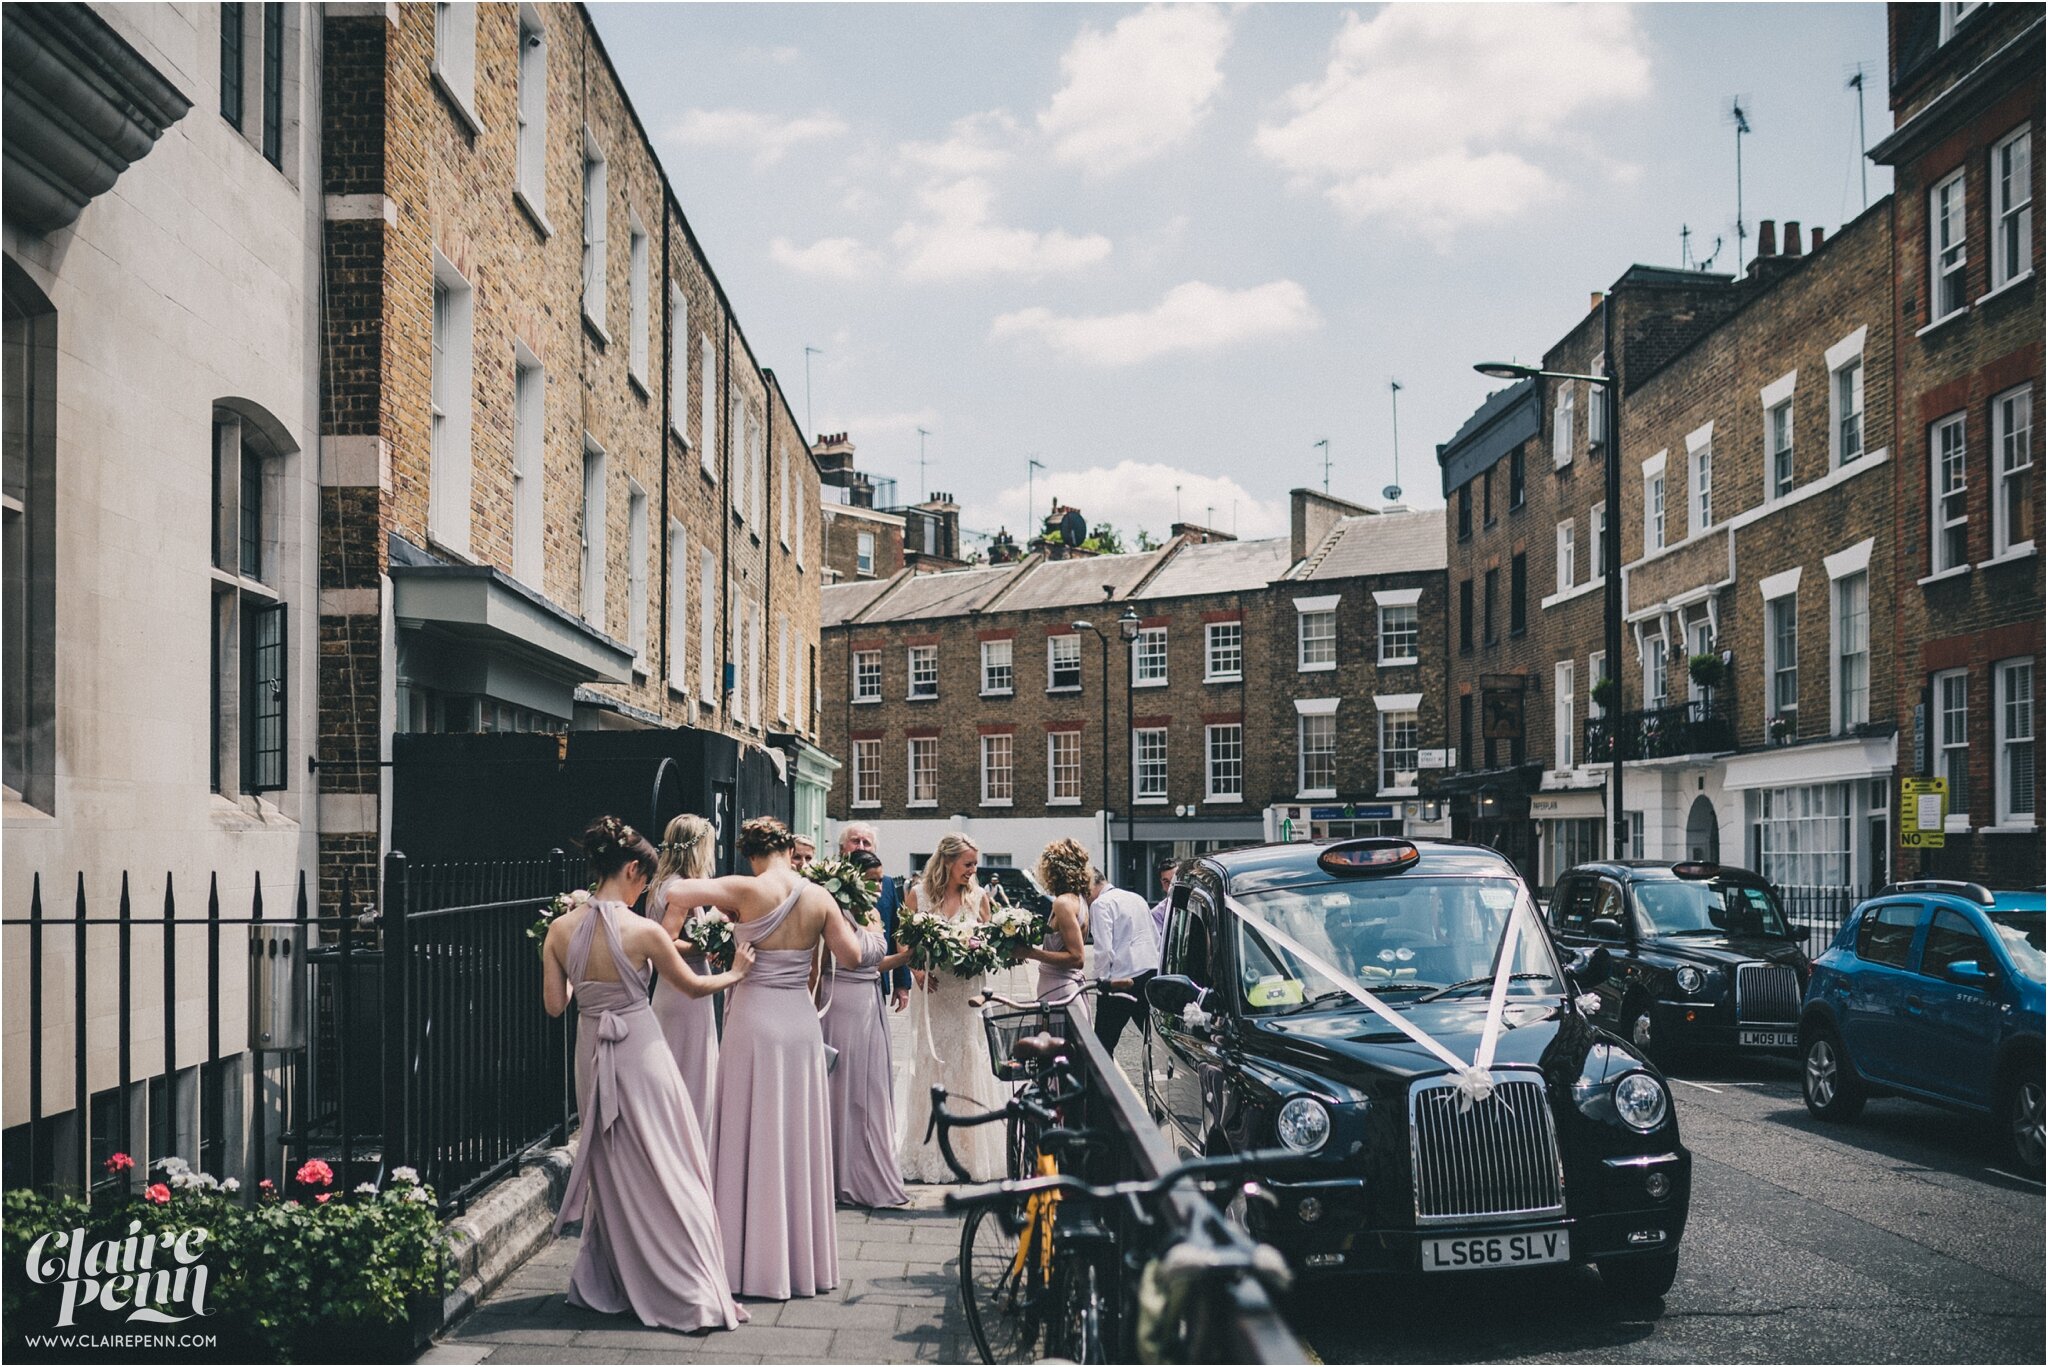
<point x="1191" y="317"/>
<point x="769" y="137"/>
<point x="1135" y="90"/>
<point x="1131" y="495"/>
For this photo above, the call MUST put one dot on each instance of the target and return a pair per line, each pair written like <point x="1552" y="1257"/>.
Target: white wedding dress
<point x="948" y="1048"/>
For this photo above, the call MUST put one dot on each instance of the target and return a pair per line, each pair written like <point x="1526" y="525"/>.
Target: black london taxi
<point x="1565" y="1149"/>
<point x="1702" y="954"/>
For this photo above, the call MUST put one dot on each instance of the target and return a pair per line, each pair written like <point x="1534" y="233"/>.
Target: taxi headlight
<point x="1641" y="1102"/>
<point x="1690" y="980"/>
<point x="1304" y="1124"/>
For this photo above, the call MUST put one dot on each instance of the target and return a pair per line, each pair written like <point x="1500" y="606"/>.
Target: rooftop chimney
<point x="1767" y="237"/>
<point x="1816" y="241"/>
<point x="1791" y="237"/>
<point x="1599" y="298"/>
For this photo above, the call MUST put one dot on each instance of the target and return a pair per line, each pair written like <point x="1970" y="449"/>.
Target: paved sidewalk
<point x="896" y="1302"/>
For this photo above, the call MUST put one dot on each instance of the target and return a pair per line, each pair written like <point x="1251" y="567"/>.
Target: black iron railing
<point x="1703" y="727"/>
<point x="1819" y="912"/>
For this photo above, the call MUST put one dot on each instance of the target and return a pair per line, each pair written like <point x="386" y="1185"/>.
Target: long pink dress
<point x="771" y="1128"/>
<point x="640" y="1183"/>
<point x="1062" y="985"/>
<point x="863" y="1085"/>
<point x="691" y="1027"/>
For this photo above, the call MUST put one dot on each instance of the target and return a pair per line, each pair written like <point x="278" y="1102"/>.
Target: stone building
<point x="564" y="493"/>
<point x="1966" y="94"/>
<point x="1003" y="701"/>
<point x="163" y="474"/>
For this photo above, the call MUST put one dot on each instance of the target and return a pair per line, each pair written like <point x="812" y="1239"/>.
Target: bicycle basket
<point x="1005" y="1026"/>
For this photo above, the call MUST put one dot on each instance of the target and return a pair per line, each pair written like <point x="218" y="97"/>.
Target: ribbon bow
<point x="611" y="1028"/>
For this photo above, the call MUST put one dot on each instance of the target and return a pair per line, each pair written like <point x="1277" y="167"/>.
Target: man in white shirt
<point x="1161" y="907"/>
<point x="1126" y="953"/>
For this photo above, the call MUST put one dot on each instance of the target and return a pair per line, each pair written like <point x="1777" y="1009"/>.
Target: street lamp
<point x="1127" y="625"/>
<point x="1101" y="636"/>
<point x="1610" y="555"/>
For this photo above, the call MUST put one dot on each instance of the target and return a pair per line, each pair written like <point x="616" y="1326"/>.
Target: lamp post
<point x="1103" y="637"/>
<point x="1610" y="557"/>
<point x="1127" y="627"/>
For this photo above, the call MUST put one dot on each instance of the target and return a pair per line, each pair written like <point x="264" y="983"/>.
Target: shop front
<point x="1571" y="829"/>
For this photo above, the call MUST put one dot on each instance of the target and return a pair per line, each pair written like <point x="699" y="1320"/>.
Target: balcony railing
<point x="1702" y="727"/>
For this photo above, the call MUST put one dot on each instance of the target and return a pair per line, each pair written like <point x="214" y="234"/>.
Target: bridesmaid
<point x="771" y="1144"/>
<point x="863" y="1085"/>
<point x="1063" y="870"/>
<point x="688" y="1022"/>
<point x="641" y="1182"/>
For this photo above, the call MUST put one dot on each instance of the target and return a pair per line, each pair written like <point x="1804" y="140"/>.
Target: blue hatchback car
<point x="1932" y="990"/>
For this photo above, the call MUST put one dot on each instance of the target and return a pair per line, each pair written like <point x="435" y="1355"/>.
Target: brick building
<point x="561" y="490"/>
<point x="1966" y="93"/>
<point x="976" y="700"/>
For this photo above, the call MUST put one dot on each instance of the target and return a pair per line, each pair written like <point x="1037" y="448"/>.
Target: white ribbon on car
<point x="1473" y="1081"/>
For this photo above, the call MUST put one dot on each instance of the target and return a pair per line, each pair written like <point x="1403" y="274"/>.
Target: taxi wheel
<point x="1640" y="1279"/>
<point x="2019" y="1114"/>
<point x="1830" y="1085"/>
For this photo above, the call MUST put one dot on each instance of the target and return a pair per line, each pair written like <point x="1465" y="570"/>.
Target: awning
<point x="1820" y="762"/>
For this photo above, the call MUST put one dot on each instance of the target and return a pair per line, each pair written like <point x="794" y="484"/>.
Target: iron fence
<point x="1705" y="726"/>
<point x="1819" y="912"/>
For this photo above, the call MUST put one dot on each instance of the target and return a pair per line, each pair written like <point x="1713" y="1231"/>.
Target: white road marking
<point x="1701" y="1085"/>
<point x="2014" y="1176"/>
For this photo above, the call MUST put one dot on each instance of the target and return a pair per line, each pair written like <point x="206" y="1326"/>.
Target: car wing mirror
<point x="1604" y="928"/>
<point x="1969" y="972"/>
<point x="1591" y="967"/>
<point x="1172" y="993"/>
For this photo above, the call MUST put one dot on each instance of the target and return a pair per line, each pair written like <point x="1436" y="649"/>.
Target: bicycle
<point x="1023" y="1048"/>
<point x="1063" y="1291"/>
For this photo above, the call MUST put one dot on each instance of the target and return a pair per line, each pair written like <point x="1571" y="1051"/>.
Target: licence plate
<point x="1771" y="1039"/>
<point x="1470" y="1252"/>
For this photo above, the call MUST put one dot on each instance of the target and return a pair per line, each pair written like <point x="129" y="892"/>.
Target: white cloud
<point x="1136" y="90"/>
<point x="1190" y="317"/>
<point x="1131" y="495"/>
<point x="1432" y="116"/>
<point x="973" y="146"/>
<point x="829" y="258"/>
<point x="768" y="136"/>
<point x="957" y="240"/>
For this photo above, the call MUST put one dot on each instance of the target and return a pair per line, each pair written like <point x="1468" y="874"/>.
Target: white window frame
<point x="707" y="401"/>
<point x="1563" y="745"/>
<point x="1776" y="590"/>
<point x="678" y="606"/>
<point x="1841" y="357"/>
<point x="1561" y="427"/>
<point x="1228" y="766"/>
<point x="1058" y="766"/>
<point x="1149" y="647"/>
<point x="1213" y="653"/>
<point x="451" y="396"/>
<point x="1596" y="669"/>
<point x="928" y="747"/>
<point x="998" y="655"/>
<point x="783" y="656"/>
<point x="590" y="528"/>
<point x="636" y="574"/>
<point x="639" y="306"/>
<point x="797" y="480"/>
<point x="782" y="491"/>
<point x="596" y="223"/>
<point x="1144" y="738"/>
<point x="2012" y="208"/>
<point x="529" y="462"/>
<point x="2012" y="447"/>
<point x="1596" y="405"/>
<point x="1596" y="542"/>
<point x="867" y="772"/>
<point x="1397" y="710"/>
<point x="1055" y="646"/>
<point x="1006" y="743"/>
<point x="1567" y="554"/>
<point x="1948" y="733"/>
<point x="455" y="57"/>
<point x="1656" y="661"/>
<point x="1323" y="712"/>
<point x="2009" y="715"/>
<point x="532" y="109"/>
<point x="864" y="555"/>
<point x="1845" y="569"/>
<point x="1953" y="12"/>
<point x="1405" y="603"/>
<point x="913" y="656"/>
<point x="740" y="432"/>
<point x="707" y="628"/>
<point x="1654" y="531"/>
<point x="1315" y="629"/>
<point x="679" y="363"/>
<point x="1948" y="247"/>
<point x="1948" y="494"/>
<point x="1776" y="398"/>
<point x="1699" y="450"/>
<point x="866" y="668"/>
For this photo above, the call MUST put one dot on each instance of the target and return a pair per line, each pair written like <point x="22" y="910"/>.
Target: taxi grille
<point x="1499" y="1158"/>
<point x="1767" y="992"/>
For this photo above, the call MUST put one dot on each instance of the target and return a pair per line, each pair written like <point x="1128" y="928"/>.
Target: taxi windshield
<point x="2021" y="932"/>
<point x="1402" y="938"/>
<point x="1708" y="906"/>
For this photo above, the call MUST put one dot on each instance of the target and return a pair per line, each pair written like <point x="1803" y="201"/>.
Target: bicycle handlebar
<point x="1220" y="1166"/>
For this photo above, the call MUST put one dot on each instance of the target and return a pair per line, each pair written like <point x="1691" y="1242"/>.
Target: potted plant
<point x="1707" y="670"/>
<point x="1606" y="694"/>
<point x="1781" y="730"/>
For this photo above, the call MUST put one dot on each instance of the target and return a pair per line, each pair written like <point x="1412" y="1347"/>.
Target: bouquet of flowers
<point x="558" y="906"/>
<point x="1014" y="929"/>
<point x="710" y="930"/>
<point x="937" y="945"/>
<point x="849" y="887"/>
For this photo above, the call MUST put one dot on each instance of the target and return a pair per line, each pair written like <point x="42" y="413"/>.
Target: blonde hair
<point x="932" y="883"/>
<point x="686" y="849"/>
<point x="1063" y="867"/>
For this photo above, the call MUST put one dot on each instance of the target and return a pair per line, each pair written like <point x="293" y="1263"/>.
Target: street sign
<point x="1433" y="759"/>
<point x="1923" y="813"/>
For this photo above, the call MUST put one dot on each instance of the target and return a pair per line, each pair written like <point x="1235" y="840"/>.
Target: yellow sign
<point x="1923" y="813"/>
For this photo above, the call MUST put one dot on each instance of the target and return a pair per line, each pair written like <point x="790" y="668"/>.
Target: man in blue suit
<point x="857" y="836"/>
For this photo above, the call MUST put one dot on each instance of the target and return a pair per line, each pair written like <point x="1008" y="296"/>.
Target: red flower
<point x="324" y="1197"/>
<point x="268" y="1188"/>
<point x="314" y="1173"/>
<point x="156" y="1193"/>
<point x="118" y="1163"/>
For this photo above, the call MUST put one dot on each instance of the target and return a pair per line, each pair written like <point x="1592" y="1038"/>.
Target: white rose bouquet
<point x="710" y="930"/>
<point x="556" y="907"/>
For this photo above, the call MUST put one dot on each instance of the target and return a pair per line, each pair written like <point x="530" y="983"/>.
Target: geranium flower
<point x="118" y="1163"/>
<point x="366" y="1188"/>
<point x="324" y="1197"/>
<point x="314" y="1173"/>
<point x="156" y="1193"/>
<point x="405" y="1174"/>
<point x="267" y="1187"/>
<point x="231" y="1185"/>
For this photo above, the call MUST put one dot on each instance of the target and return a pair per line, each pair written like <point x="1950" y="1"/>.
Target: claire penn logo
<point x="151" y="1276"/>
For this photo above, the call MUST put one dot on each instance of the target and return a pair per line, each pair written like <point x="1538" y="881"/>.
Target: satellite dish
<point x="1073" y="528"/>
<point x="1392" y="493"/>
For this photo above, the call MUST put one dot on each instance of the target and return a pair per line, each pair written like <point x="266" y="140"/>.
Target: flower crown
<point x="682" y="846"/>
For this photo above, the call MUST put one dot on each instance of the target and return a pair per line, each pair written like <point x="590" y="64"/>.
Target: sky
<point x="1165" y="251"/>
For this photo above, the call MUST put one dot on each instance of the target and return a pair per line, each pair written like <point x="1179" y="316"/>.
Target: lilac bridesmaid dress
<point x="691" y="1027"/>
<point x="771" y="1142"/>
<point x="640" y="1183"/>
<point x="863" y="1086"/>
<point x="1062" y="985"/>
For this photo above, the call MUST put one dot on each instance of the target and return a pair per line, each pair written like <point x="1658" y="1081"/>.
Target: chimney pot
<point x="1767" y="237"/>
<point x="1816" y="240"/>
<point x="1791" y="237"/>
<point x="1599" y="298"/>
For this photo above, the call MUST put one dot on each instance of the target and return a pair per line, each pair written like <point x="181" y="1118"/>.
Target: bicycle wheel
<point x="1018" y="1141"/>
<point x="1003" y="1306"/>
<point x="1077" y="1328"/>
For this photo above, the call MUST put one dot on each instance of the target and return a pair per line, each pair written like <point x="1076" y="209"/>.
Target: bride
<point x="948" y="1048"/>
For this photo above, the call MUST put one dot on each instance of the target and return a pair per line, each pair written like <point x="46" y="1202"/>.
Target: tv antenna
<point x="923" y="491"/>
<point x="1392" y="493"/>
<point x="1855" y="83"/>
<point x="1030" y="495"/>
<point x="809" y="352"/>
<point x="1739" y="116"/>
<point x="1324" y="447"/>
